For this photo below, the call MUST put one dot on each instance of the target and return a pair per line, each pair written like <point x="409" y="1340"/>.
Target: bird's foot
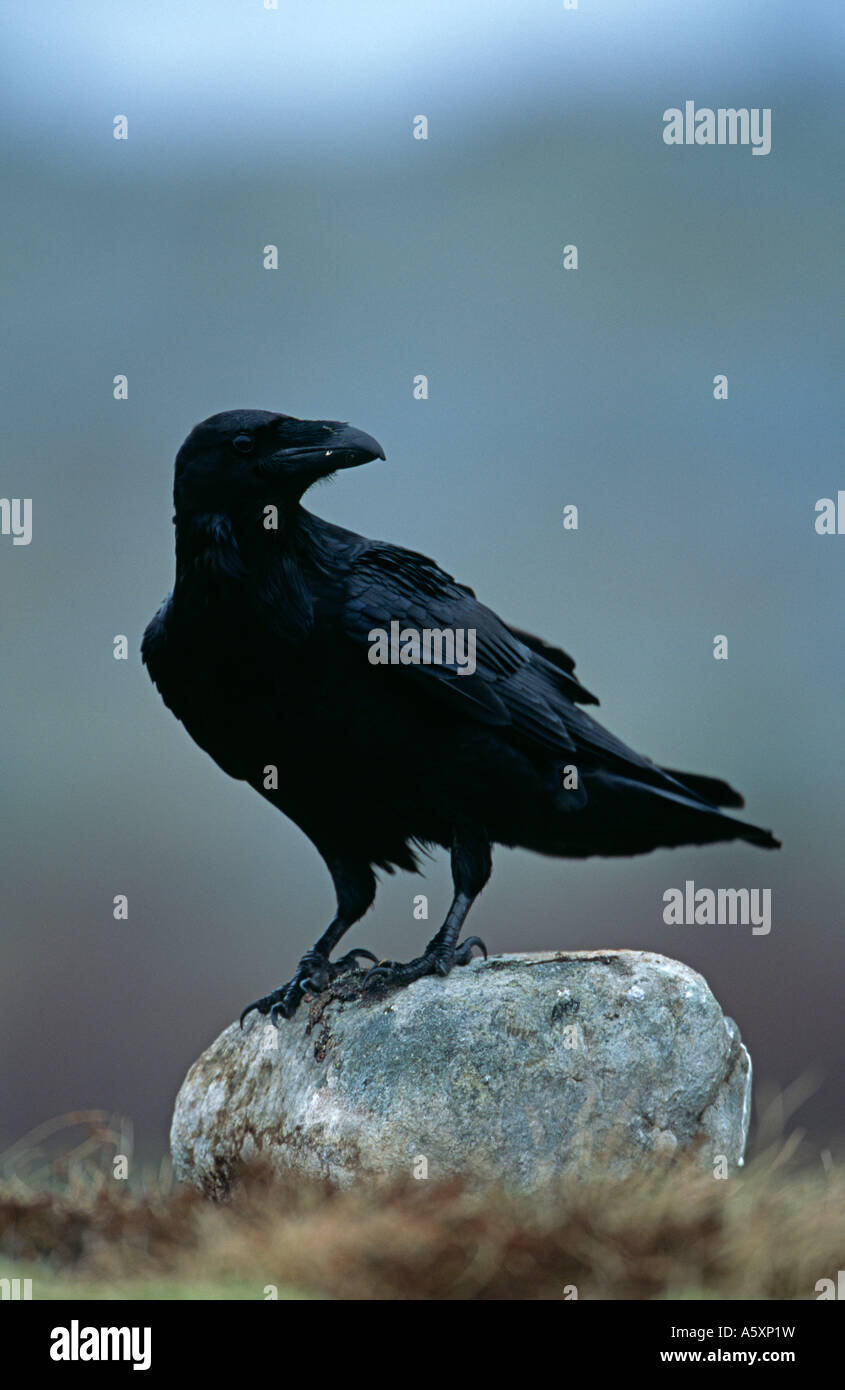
<point x="314" y="973"/>
<point x="431" y="962"/>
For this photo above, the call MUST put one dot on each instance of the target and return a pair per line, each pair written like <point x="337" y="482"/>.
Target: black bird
<point x="263" y="651"/>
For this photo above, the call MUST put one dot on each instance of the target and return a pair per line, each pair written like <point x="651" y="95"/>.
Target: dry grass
<point x="771" y="1232"/>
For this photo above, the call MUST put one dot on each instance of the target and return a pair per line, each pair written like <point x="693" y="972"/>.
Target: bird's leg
<point x="355" y="886"/>
<point x="471" y="865"/>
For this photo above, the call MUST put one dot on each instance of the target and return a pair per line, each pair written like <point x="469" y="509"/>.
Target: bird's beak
<point x="332" y="445"/>
<point x="348" y="447"/>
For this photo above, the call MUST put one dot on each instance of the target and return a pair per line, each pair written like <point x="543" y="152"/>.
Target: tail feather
<point x="711" y="788"/>
<point x="625" y="816"/>
<point x="711" y="823"/>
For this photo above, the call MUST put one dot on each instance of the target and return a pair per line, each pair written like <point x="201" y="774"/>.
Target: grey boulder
<point x="521" y="1068"/>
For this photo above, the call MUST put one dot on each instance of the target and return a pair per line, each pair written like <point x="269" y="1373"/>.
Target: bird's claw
<point x="392" y="972"/>
<point x="463" y="952"/>
<point x="380" y="974"/>
<point x="313" y="974"/>
<point x="272" y="1004"/>
<point x="349" y="961"/>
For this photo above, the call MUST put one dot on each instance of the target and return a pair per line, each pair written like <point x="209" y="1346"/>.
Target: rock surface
<point x="519" y="1068"/>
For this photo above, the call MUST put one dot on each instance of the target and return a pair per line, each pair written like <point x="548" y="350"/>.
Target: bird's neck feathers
<point x="207" y="548"/>
<point x="267" y="565"/>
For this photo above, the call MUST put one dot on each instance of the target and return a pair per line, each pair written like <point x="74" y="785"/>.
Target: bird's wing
<point x="515" y="683"/>
<point x="557" y="657"/>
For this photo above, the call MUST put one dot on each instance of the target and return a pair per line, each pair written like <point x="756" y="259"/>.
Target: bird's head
<point x="240" y="458"/>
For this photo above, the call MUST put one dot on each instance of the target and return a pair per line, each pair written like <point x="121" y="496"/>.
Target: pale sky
<point x="190" y="71"/>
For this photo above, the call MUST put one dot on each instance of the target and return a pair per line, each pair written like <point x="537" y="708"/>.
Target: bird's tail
<point x="711" y="788"/>
<point x="691" y="818"/>
<point x="626" y="815"/>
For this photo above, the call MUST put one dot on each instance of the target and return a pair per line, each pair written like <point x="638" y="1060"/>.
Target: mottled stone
<point x="520" y="1068"/>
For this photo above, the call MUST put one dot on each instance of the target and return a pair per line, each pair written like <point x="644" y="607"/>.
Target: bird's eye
<point x="243" y="443"/>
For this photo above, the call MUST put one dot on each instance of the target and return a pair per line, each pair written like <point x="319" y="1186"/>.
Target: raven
<point x="264" y="651"/>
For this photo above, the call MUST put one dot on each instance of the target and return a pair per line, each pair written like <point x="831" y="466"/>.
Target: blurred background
<point x="398" y="257"/>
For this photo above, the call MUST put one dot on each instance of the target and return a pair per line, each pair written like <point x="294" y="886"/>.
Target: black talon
<point x="463" y="954"/>
<point x="262" y="1005"/>
<point x="350" y="962"/>
<point x="382" y="967"/>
